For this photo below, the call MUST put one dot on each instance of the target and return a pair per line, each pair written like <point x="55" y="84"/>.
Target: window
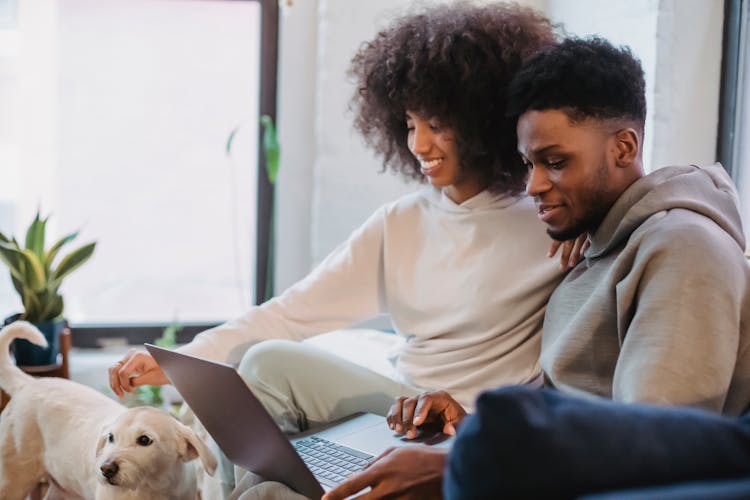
<point x="734" y="124"/>
<point x="120" y="115"/>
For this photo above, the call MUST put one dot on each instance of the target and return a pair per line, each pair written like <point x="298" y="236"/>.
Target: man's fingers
<point x="394" y="415"/>
<point x="407" y="418"/>
<point x="423" y="409"/>
<point x="375" y="460"/>
<point x="355" y="483"/>
<point x="449" y="429"/>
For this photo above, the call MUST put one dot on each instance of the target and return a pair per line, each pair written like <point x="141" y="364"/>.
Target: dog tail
<point x="13" y="378"/>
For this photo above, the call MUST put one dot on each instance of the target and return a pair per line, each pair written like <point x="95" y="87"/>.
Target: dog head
<point x="146" y="448"/>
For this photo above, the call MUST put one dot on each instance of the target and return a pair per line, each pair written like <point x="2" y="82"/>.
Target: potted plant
<point x="37" y="273"/>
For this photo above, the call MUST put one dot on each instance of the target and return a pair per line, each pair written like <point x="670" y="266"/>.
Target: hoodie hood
<point x="706" y="190"/>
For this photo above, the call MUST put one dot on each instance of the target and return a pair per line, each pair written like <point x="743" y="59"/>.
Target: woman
<point x="460" y="265"/>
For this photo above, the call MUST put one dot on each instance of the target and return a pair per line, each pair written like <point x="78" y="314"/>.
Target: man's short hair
<point x="586" y="77"/>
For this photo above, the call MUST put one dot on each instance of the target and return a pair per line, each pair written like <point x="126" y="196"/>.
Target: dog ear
<point x="196" y="448"/>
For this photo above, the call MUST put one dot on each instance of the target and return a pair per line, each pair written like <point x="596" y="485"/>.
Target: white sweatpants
<point x="303" y="387"/>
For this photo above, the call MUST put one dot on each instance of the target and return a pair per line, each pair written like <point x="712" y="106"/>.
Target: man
<point x="659" y="309"/>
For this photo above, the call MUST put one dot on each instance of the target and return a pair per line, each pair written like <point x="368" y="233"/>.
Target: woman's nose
<point x="421" y="140"/>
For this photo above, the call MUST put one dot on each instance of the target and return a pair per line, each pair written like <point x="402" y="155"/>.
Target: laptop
<point x="309" y="463"/>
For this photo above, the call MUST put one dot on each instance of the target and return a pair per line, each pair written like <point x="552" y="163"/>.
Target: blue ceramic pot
<point x="28" y="354"/>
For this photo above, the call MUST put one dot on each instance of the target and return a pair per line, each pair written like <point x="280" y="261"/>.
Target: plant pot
<point x="28" y="354"/>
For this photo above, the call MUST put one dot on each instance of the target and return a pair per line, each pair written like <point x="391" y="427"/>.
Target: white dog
<point x="85" y="444"/>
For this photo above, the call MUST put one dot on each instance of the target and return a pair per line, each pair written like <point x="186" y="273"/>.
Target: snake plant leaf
<point x="72" y="261"/>
<point x="24" y="265"/>
<point x="35" y="236"/>
<point x="17" y="284"/>
<point x="53" y="306"/>
<point x="33" y="269"/>
<point x="9" y="254"/>
<point x="270" y="147"/>
<point x="32" y="306"/>
<point x="3" y="238"/>
<point x="52" y="252"/>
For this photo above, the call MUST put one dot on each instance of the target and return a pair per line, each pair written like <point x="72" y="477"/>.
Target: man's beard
<point x="587" y="224"/>
<point x="595" y="202"/>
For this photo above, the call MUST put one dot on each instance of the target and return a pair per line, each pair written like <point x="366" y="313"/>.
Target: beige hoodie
<point x="659" y="310"/>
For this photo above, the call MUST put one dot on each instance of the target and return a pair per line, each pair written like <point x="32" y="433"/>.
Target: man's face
<point x="570" y="170"/>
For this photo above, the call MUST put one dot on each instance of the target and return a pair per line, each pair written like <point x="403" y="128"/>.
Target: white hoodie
<point x="466" y="285"/>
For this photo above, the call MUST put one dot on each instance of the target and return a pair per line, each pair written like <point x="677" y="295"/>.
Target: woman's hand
<point x="136" y="368"/>
<point x="429" y="408"/>
<point x="572" y="251"/>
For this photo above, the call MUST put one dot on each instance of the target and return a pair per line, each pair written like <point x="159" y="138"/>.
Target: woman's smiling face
<point x="434" y="146"/>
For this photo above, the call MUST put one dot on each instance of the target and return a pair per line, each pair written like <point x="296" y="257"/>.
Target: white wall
<point x="296" y="119"/>
<point x="687" y="81"/>
<point x="632" y="23"/>
<point x="331" y="182"/>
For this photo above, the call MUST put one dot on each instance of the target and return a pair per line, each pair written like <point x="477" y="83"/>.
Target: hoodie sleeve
<point x="345" y="288"/>
<point x="687" y="290"/>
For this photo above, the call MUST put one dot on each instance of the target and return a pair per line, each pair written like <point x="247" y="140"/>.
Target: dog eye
<point x="144" y="440"/>
<point x="111" y="438"/>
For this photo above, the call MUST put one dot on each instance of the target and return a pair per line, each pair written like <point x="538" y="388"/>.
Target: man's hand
<point x="429" y="408"/>
<point x="136" y="368"/>
<point x="572" y="251"/>
<point x="408" y="472"/>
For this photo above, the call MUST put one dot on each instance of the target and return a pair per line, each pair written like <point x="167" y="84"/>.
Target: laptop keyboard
<point x="330" y="463"/>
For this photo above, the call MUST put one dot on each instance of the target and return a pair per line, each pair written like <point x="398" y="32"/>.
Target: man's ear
<point x="627" y="146"/>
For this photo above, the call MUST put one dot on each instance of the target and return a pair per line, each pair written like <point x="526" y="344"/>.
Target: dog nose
<point x="109" y="469"/>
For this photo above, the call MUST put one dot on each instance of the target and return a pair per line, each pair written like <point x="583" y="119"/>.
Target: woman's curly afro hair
<point x="451" y="62"/>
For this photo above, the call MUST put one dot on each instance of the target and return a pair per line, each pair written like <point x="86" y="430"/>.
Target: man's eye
<point x="556" y="165"/>
<point x="111" y="438"/>
<point x="144" y="440"/>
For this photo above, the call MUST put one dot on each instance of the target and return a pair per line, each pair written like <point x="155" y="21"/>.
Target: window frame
<point x="735" y="38"/>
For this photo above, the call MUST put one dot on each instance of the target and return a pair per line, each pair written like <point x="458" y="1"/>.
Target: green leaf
<point x="24" y="265"/>
<point x="71" y="262"/>
<point x="230" y="139"/>
<point x="271" y="148"/>
<point x="17" y="284"/>
<point x="35" y="236"/>
<point x="52" y="252"/>
<point x="169" y="336"/>
<point x="3" y="238"/>
<point x="32" y="307"/>
<point x="10" y="255"/>
<point x="51" y="306"/>
<point x="34" y="272"/>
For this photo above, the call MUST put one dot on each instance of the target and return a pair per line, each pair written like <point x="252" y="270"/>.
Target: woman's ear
<point x="627" y="145"/>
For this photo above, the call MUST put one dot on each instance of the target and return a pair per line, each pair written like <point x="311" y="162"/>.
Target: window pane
<point x="147" y="92"/>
